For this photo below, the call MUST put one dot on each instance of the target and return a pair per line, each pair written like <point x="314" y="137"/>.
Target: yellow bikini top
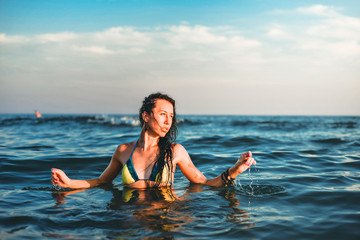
<point x="129" y="174"/>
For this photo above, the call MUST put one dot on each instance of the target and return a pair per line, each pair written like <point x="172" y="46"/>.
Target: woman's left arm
<point x="193" y="174"/>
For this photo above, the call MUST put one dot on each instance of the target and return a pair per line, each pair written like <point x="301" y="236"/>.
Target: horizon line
<point x="195" y="114"/>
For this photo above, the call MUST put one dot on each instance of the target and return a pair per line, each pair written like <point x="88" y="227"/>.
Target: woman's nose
<point x="167" y="120"/>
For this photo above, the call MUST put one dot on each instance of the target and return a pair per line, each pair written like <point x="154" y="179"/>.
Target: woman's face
<point x="160" y="120"/>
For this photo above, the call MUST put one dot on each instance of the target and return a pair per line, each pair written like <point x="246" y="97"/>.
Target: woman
<point x="152" y="159"/>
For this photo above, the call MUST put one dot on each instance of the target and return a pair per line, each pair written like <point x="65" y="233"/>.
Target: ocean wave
<point x="261" y="123"/>
<point x="355" y="144"/>
<point x="105" y="120"/>
<point x="130" y="121"/>
<point x="330" y="141"/>
<point x="34" y="147"/>
<point x="10" y="121"/>
<point x="300" y="123"/>
<point x="270" y="125"/>
<point x="190" y="122"/>
<point x="344" y="124"/>
<point x="223" y="141"/>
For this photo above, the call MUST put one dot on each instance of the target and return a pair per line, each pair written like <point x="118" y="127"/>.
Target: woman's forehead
<point x="162" y="104"/>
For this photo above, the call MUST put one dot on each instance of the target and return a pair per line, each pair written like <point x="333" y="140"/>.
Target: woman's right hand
<point x="244" y="162"/>
<point x="58" y="177"/>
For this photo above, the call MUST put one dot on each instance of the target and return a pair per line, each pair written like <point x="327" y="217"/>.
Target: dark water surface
<point x="306" y="184"/>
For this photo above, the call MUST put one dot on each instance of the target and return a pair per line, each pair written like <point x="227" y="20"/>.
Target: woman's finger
<point x="53" y="180"/>
<point x="56" y="171"/>
<point x="246" y="156"/>
<point x="250" y="161"/>
<point x="54" y="177"/>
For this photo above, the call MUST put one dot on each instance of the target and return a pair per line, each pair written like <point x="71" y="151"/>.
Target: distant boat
<point x="37" y="114"/>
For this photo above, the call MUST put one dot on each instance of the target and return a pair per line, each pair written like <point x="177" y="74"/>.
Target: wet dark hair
<point x="165" y="143"/>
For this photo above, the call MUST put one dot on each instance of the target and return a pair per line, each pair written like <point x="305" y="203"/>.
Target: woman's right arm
<point x="58" y="177"/>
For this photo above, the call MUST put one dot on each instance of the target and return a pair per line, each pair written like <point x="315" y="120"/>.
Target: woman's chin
<point x="163" y="134"/>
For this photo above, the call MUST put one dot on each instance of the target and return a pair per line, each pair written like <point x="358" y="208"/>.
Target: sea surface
<point x="306" y="184"/>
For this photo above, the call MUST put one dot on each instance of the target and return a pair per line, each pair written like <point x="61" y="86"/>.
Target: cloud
<point x="4" y="38"/>
<point x="127" y="36"/>
<point x="185" y="36"/>
<point x="55" y="37"/>
<point x="337" y="27"/>
<point x="319" y="31"/>
<point x="318" y="9"/>
<point x="182" y="35"/>
<point x="277" y="31"/>
<point x="339" y="49"/>
<point x="162" y="41"/>
<point x="94" y="49"/>
<point x="312" y="48"/>
<point x="315" y="10"/>
<point x="329" y="32"/>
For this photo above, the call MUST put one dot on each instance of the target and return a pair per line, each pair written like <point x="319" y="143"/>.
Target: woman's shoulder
<point x="178" y="147"/>
<point x="123" y="151"/>
<point x="125" y="148"/>
<point x="180" y="155"/>
<point x="179" y="150"/>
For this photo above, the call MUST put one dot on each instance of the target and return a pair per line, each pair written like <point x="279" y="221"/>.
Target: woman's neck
<point x="147" y="140"/>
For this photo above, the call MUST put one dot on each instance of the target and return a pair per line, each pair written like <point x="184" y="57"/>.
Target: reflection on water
<point x="61" y="196"/>
<point x="146" y="196"/>
<point x="163" y="211"/>
<point x="155" y="209"/>
<point x="237" y="215"/>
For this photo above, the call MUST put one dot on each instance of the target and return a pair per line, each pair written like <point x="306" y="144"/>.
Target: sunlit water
<point x="306" y="184"/>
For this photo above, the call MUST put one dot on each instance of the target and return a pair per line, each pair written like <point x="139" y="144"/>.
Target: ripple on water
<point x="260" y="191"/>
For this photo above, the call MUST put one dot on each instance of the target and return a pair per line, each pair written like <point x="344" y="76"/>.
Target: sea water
<point x="306" y="184"/>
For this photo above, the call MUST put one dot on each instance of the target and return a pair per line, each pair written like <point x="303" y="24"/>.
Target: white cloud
<point x="318" y="9"/>
<point x="319" y="31"/>
<point x="122" y="36"/>
<point x="277" y="31"/>
<point x="180" y="35"/>
<point x="207" y="37"/>
<point x="55" y="37"/>
<point x="337" y="27"/>
<point x="219" y="61"/>
<point x="340" y="50"/>
<point x="133" y="40"/>
<point x="240" y="41"/>
<point x="4" y="38"/>
<point x="315" y="10"/>
<point x="95" y="49"/>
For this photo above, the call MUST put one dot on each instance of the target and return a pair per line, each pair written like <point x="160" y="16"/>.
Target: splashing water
<point x="248" y="187"/>
<point x="57" y="187"/>
<point x="258" y="190"/>
<point x="251" y="182"/>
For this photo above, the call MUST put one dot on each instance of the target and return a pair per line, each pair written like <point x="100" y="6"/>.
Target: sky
<point x="244" y="57"/>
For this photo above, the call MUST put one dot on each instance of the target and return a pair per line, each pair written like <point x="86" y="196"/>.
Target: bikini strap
<point x="130" y="165"/>
<point x="133" y="149"/>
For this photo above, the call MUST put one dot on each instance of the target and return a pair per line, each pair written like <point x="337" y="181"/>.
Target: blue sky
<point x="213" y="57"/>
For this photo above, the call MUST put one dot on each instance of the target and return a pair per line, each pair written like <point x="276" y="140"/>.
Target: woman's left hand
<point x="244" y="162"/>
